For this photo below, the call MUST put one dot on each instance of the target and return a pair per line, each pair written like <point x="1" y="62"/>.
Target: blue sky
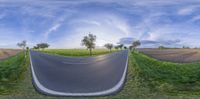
<point x="63" y="23"/>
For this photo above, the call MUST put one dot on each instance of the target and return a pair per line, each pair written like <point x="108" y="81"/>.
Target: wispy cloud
<point x="54" y="27"/>
<point x="151" y="43"/>
<point x="186" y="10"/>
<point x="61" y="22"/>
<point x="104" y="26"/>
<point x="196" y="18"/>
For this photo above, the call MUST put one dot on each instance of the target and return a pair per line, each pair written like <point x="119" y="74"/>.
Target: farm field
<point x="174" y="55"/>
<point x="147" y="78"/>
<point x="5" y="53"/>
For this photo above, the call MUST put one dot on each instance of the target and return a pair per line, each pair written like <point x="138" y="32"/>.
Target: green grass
<point x="147" y="79"/>
<point x="11" y="71"/>
<point x="25" y="90"/>
<point x="166" y="77"/>
<point x="76" y="52"/>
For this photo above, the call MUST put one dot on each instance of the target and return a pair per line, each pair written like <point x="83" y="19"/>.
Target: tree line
<point x="90" y="39"/>
<point x="23" y="45"/>
<point x="41" y="46"/>
<point x="87" y="41"/>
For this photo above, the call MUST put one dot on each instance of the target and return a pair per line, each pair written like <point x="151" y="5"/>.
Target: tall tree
<point x="125" y="47"/>
<point x="43" y="45"/>
<point x="130" y="47"/>
<point x="116" y="47"/>
<point x="35" y="47"/>
<point x="109" y="46"/>
<point x="22" y="44"/>
<point x="89" y="42"/>
<point x="120" y="46"/>
<point x="161" y="47"/>
<point x="135" y="44"/>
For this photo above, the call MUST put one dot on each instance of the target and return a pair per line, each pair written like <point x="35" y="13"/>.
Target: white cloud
<point x="54" y="27"/>
<point x="120" y="24"/>
<point x="154" y="22"/>
<point x="45" y="12"/>
<point x="85" y="21"/>
<point x="9" y="37"/>
<point x="196" y="18"/>
<point x="187" y="10"/>
<point x="61" y="3"/>
<point x="108" y="28"/>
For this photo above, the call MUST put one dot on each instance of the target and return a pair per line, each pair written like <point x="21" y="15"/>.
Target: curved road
<point x="69" y="76"/>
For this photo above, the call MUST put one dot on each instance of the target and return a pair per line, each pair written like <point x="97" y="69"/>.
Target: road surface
<point x="70" y="76"/>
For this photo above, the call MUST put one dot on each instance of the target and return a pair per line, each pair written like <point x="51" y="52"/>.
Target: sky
<point x="63" y="23"/>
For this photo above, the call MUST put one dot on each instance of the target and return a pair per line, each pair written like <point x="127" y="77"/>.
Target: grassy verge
<point x="25" y="90"/>
<point x="147" y="79"/>
<point x="166" y="77"/>
<point x="11" y="70"/>
<point x="76" y="52"/>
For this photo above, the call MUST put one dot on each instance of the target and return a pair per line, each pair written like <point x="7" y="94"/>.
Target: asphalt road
<point x="69" y="76"/>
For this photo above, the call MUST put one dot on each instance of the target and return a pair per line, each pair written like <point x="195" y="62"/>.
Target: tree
<point x="22" y="45"/>
<point x="135" y="44"/>
<point x="42" y="45"/>
<point x="27" y="48"/>
<point x="161" y="47"/>
<point x="116" y="47"/>
<point x="89" y="42"/>
<point x="120" y="46"/>
<point x="130" y="47"/>
<point x="125" y="47"/>
<point x="186" y="47"/>
<point x="35" y="47"/>
<point x="109" y="46"/>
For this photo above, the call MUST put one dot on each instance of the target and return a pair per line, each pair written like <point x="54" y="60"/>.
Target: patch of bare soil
<point x="174" y="55"/>
<point x="5" y="53"/>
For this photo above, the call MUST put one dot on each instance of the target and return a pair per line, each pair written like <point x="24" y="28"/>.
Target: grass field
<point x="147" y="79"/>
<point x="76" y="52"/>
<point x="11" y="71"/>
<point x="170" y="78"/>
